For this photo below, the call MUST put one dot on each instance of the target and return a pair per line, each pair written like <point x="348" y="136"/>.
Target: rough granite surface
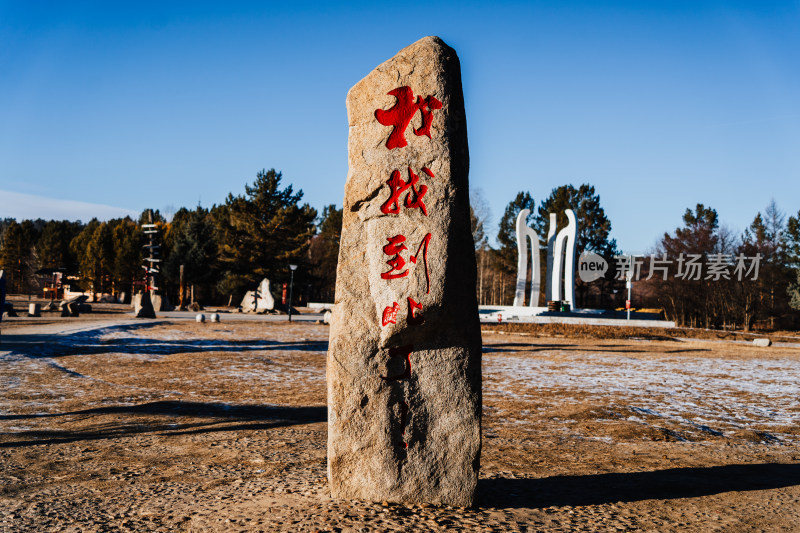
<point x="404" y="388"/>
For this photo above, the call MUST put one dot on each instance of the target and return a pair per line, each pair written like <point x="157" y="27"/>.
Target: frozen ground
<point x="684" y="389"/>
<point x="125" y="425"/>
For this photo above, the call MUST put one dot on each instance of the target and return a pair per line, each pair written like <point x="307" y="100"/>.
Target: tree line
<point x="767" y="295"/>
<point x="227" y="249"/>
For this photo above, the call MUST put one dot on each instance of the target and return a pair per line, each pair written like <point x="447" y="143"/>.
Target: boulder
<point x="259" y="300"/>
<point x="72" y="306"/>
<point x="404" y="365"/>
<point x="161" y="302"/>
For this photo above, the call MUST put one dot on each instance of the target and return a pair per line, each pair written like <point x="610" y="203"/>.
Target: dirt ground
<point x="117" y="425"/>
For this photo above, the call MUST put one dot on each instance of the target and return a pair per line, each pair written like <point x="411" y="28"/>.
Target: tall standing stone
<point x="404" y="366"/>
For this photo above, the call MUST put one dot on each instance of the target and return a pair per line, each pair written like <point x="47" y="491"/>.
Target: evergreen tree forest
<point x="224" y="251"/>
<point x="227" y="249"/>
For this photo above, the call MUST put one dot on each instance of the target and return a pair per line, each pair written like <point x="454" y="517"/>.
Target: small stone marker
<point x="34" y="310"/>
<point x="404" y="365"/>
<point x="143" y="306"/>
<point x="762" y="342"/>
<point x="200" y="318"/>
<point x="214" y="317"/>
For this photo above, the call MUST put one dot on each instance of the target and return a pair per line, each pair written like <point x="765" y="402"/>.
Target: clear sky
<point x="659" y="105"/>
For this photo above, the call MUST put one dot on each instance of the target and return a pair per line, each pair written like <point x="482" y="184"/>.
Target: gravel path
<point x="122" y="425"/>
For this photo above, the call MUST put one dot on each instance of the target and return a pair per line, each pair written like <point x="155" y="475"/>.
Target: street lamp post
<point x="629" y="284"/>
<point x="291" y="283"/>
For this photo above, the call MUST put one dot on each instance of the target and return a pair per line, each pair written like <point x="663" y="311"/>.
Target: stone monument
<point x="404" y="364"/>
<point x="143" y="306"/>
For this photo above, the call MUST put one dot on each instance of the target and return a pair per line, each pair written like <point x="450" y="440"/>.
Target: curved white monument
<point x="564" y="260"/>
<point x="523" y="234"/>
<point x="561" y="259"/>
<point x="551" y="243"/>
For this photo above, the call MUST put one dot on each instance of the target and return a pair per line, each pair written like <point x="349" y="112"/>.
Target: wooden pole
<point x="181" y="305"/>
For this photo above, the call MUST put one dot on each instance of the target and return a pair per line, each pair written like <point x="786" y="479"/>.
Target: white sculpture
<point x="551" y="243"/>
<point x="523" y="234"/>
<point x="565" y="250"/>
<point x="561" y="257"/>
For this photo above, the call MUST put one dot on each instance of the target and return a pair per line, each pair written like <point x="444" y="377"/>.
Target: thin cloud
<point x="29" y="206"/>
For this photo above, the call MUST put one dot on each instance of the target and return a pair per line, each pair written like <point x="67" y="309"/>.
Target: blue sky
<point x="659" y="105"/>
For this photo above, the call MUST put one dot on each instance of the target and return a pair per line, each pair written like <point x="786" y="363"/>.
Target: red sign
<point x="283" y="295"/>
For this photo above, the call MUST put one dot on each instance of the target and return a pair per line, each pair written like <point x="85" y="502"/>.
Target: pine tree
<point x="323" y="252"/>
<point x="686" y="300"/>
<point x="793" y="252"/>
<point x="793" y="240"/>
<point x="769" y="236"/>
<point x="79" y="246"/>
<point x="193" y="245"/>
<point x="17" y="257"/>
<point x="127" y="241"/>
<point x="594" y="227"/>
<point x="54" y="245"/>
<point x="260" y="233"/>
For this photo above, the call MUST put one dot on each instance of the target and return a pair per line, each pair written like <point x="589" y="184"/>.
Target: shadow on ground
<point x="598" y="489"/>
<point x="92" y="343"/>
<point x="159" y="417"/>
<point x="600" y="349"/>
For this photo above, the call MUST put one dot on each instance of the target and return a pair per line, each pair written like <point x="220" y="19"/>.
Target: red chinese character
<point x="414" y="319"/>
<point x="390" y="314"/>
<point x="398" y="186"/>
<point x="401" y="351"/>
<point x="424" y="247"/>
<point x="397" y="263"/>
<point x="399" y="116"/>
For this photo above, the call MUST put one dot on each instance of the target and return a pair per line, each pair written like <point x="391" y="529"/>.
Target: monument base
<point x="493" y="314"/>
